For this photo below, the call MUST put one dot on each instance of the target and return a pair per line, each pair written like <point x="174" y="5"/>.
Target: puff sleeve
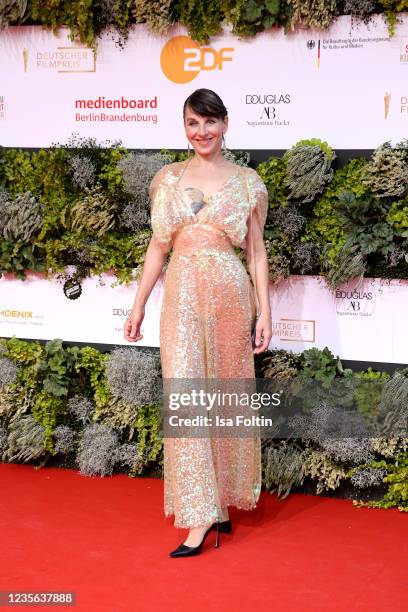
<point x="258" y="198"/>
<point x="160" y="215"/>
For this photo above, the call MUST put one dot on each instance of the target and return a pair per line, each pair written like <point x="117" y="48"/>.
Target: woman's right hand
<point x="131" y="331"/>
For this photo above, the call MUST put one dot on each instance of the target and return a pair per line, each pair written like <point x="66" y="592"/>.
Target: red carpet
<point x="107" y="540"/>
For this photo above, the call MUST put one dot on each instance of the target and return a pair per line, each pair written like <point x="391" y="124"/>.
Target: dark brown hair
<point x="205" y="102"/>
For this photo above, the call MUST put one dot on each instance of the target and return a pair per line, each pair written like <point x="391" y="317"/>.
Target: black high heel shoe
<point x="188" y="551"/>
<point x="224" y="526"/>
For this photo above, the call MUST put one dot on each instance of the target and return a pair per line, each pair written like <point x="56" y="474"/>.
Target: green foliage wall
<point x="102" y="411"/>
<point x="88" y="19"/>
<point x="85" y="204"/>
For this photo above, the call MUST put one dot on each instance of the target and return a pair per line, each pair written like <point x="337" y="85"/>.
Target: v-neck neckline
<point x="212" y="195"/>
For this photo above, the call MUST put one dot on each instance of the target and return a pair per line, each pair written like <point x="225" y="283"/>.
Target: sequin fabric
<point x="205" y="332"/>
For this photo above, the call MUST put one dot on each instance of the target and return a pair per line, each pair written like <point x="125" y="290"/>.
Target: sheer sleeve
<point x="160" y="214"/>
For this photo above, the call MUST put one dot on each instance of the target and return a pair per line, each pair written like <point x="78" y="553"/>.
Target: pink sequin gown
<point x="205" y="332"/>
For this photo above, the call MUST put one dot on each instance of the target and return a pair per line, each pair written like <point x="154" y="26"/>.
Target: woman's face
<point x="204" y="133"/>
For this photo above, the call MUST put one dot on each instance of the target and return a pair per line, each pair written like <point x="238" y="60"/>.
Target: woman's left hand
<point x="263" y="333"/>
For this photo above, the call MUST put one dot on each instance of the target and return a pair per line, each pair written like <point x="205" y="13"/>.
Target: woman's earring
<point x="188" y="148"/>
<point x="224" y="146"/>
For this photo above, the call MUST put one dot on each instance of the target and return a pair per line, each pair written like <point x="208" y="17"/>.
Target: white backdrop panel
<point x="366" y="322"/>
<point x="345" y="85"/>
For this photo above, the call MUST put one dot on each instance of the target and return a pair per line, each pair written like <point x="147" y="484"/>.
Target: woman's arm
<point x="259" y="271"/>
<point x="155" y="257"/>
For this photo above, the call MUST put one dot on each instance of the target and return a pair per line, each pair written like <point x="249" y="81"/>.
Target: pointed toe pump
<point x="188" y="551"/>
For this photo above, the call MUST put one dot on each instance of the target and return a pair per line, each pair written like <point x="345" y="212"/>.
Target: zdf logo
<point x="182" y="59"/>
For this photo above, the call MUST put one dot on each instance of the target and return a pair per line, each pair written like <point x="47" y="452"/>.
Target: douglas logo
<point x="269" y="110"/>
<point x="267" y="98"/>
<point x="121" y="312"/>
<point x="353" y="302"/>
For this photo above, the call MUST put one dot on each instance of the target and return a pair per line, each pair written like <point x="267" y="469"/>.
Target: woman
<point x="201" y="208"/>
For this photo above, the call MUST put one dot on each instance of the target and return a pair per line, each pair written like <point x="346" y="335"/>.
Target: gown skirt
<point x="205" y="333"/>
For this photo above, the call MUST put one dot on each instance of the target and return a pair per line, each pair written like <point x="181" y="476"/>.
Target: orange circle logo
<point x="182" y="59"/>
<point x="177" y="59"/>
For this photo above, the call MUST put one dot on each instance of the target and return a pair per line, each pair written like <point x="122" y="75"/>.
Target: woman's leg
<point x="196" y="533"/>
<point x="224" y="514"/>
